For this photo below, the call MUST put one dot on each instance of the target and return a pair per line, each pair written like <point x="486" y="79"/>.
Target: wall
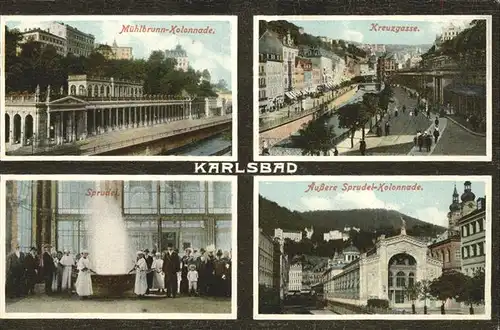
<point x="162" y="146"/>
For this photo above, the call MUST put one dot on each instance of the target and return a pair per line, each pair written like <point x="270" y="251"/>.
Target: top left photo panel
<point x="118" y="88"/>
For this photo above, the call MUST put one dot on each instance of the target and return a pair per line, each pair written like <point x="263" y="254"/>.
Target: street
<point x="64" y="304"/>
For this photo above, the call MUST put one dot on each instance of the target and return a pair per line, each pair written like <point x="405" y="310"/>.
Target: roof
<point x="351" y="249"/>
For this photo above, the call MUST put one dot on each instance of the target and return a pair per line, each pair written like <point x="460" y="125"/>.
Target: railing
<point x="296" y="115"/>
<point x="152" y="137"/>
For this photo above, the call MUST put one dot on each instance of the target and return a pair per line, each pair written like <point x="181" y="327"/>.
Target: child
<point x="192" y="277"/>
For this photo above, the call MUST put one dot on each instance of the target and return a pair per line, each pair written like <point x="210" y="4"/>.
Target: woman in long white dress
<point x="84" y="281"/>
<point x="67" y="262"/>
<point x="159" y="277"/>
<point x="55" y="274"/>
<point x="141" y="268"/>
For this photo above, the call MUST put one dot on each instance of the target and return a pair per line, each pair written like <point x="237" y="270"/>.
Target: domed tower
<point x="455" y="211"/>
<point x="468" y="199"/>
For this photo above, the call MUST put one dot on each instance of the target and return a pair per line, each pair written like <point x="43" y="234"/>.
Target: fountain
<point x="110" y="254"/>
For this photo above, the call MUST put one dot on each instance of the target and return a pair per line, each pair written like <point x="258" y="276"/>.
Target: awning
<point x="467" y="90"/>
<point x="290" y="95"/>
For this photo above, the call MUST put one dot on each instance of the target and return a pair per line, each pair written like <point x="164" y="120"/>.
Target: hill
<point x="272" y="215"/>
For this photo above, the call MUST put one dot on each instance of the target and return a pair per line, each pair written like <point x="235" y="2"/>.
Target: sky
<point x="431" y="204"/>
<point x="205" y="51"/>
<point x="361" y="30"/>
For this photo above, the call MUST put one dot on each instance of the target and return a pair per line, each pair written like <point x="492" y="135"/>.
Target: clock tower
<point x="455" y="211"/>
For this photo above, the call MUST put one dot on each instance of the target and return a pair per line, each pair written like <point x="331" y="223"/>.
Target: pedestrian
<point x="84" y="281"/>
<point x="15" y="272"/>
<point x="436" y="121"/>
<point x="404" y="108"/>
<point x="265" y="149"/>
<point x="30" y="264"/>
<point x="158" y="279"/>
<point x="420" y="140"/>
<point x="67" y="262"/>
<point x="48" y="269"/>
<point x="149" y="275"/>
<point x="171" y="265"/>
<point x="387" y="128"/>
<point x="379" y="130"/>
<point x="362" y="147"/>
<point x="192" y="277"/>
<point x="335" y="151"/>
<point x="428" y="142"/>
<point x="141" y="271"/>
<point x="55" y="274"/>
<point x="436" y="135"/>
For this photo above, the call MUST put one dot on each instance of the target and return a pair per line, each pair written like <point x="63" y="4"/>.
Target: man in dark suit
<point x="15" y="272"/>
<point x="48" y="269"/>
<point x="31" y="265"/>
<point x="171" y="265"/>
<point x="149" y="263"/>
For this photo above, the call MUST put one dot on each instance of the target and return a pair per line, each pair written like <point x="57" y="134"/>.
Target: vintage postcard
<point x="372" y="247"/>
<point x="118" y="247"/>
<point x="119" y="87"/>
<point x="393" y="88"/>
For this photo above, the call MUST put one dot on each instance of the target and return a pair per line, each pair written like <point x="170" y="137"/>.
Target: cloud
<point x="347" y="201"/>
<point x="214" y="58"/>
<point x="432" y="215"/>
<point x="349" y="34"/>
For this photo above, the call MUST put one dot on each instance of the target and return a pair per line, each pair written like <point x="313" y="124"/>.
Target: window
<point x="463" y="232"/>
<point x="72" y="235"/>
<point x="480" y="249"/>
<point x="411" y="279"/>
<point x="139" y="197"/>
<point x="219" y="197"/>
<point x="72" y="197"/>
<point x="223" y="235"/>
<point x="400" y="280"/>
<point x="480" y="222"/>
<point x="24" y="215"/>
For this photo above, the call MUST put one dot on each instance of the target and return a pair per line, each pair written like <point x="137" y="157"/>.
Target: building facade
<point x="473" y="233"/>
<point x="77" y="42"/>
<point x="271" y="58"/>
<point x="155" y="213"/>
<point x="45" y="38"/>
<point x="266" y="260"/>
<point x="290" y="53"/>
<point x="292" y="235"/>
<point x="94" y="106"/>
<point x="384" y="272"/>
<point x="180" y="56"/>
<point x="295" y="277"/>
<point x="115" y="52"/>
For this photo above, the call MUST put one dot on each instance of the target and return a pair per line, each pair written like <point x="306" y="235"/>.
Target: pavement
<point x="42" y="303"/>
<point x="122" y="137"/>
<point x="453" y="140"/>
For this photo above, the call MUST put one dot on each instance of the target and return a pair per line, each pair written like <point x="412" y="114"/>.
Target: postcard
<point x="119" y="87"/>
<point x="398" y="88"/>
<point x="118" y="247"/>
<point x="372" y="247"/>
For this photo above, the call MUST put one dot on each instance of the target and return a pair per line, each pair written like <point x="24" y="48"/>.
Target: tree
<point x="205" y="74"/>
<point x="424" y="287"/>
<point x="316" y="137"/>
<point x="370" y="108"/>
<point x="473" y="292"/>
<point x="412" y="292"/>
<point x="448" y="286"/>
<point x="221" y="84"/>
<point x="385" y="98"/>
<point x="352" y="116"/>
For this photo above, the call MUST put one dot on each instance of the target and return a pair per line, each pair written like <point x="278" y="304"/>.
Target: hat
<point x="85" y="251"/>
<point x="219" y="252"/>
<point x="140" y="252"/>
<point x="158" y="254"/>
<point x="211" y="248"/>
<point x="192" y="267"/>
<point x="170" y="245"/>
<point x="66" y="250"/>
<point x="146" y="251"/>
<point x="46" y="246"/>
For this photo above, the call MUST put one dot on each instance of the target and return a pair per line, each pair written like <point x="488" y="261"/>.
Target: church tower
<point x="468" y="199"/>
<point x="455" y="211"/>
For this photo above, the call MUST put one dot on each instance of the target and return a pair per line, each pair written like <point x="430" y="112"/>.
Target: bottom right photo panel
<point x="372" y="247"/>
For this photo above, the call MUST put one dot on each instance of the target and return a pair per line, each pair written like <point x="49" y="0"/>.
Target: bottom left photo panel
<point x="114" y="246"/>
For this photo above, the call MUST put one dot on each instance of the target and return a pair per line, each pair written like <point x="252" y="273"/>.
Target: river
<point x="217" y="145"/>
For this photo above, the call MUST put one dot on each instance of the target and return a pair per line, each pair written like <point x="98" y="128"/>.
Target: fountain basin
<point x="118" y="285"/>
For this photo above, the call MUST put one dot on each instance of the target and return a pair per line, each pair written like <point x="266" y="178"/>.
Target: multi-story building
<point x="298" y="78"/>
<point x="292" y="235"/>
<point x="295" y="277"/>
<point x="77" y="42"/>
<point x="385" y="66"/>
<point x="271" y="59"/>
<point x="290" y="52"/>
<point x="446" y="247"/>
<point x="472" y="231"/>
<point x="322" y="59"/>
<point x="45" y="38"/>
<point x="180" y="56"/>
<point x="262" y="84"/>
<point x="448" y="33"/>
<point x="266" y="260"/>
<point x="332" y="235"/>
<point x="115" y="52"/>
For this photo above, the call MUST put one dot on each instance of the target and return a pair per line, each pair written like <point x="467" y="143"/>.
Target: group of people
<point x="425" y="139"/>
<point x="25" y="270"/>
<point x="206" y="272"/>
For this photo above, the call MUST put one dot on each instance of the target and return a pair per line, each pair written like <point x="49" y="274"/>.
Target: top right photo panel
<point x="385" y="88"/>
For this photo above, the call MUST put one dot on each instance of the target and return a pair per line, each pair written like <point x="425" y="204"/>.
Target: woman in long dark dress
<point x="186" y="261"/>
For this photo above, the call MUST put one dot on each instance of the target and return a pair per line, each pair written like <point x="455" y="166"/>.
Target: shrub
<point x="378" y="303"/>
